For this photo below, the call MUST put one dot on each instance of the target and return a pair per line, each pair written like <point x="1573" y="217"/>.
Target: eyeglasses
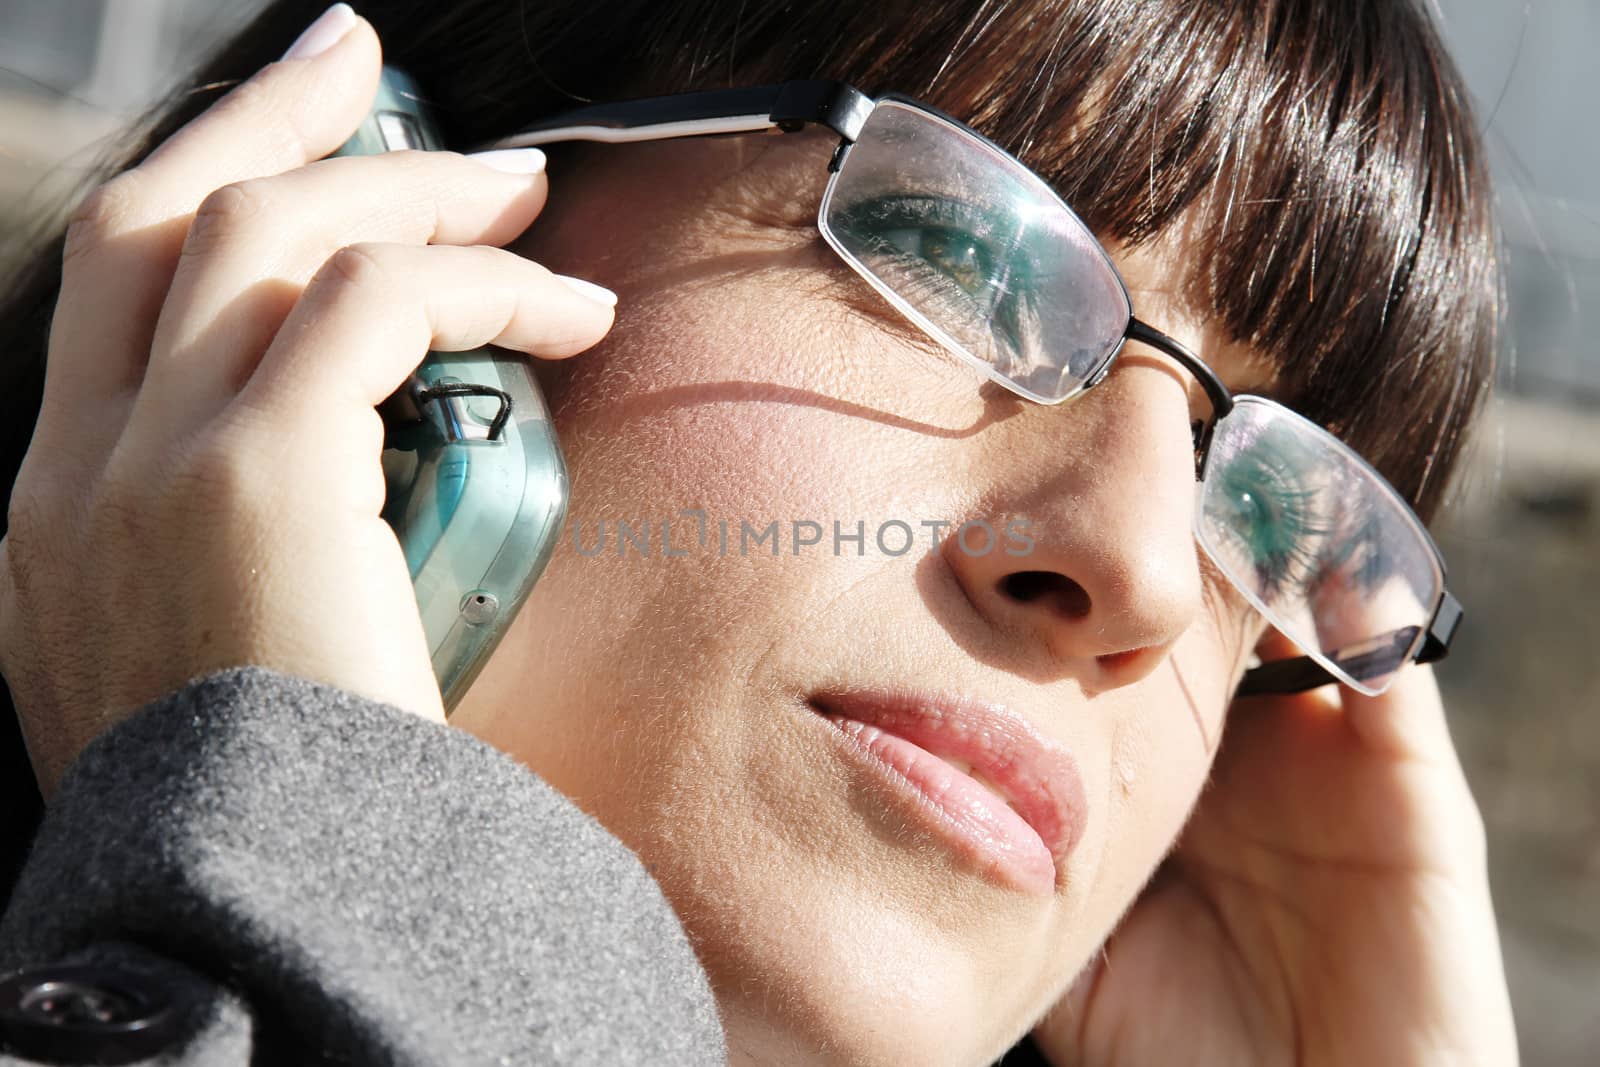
<point x="980" y="253"/>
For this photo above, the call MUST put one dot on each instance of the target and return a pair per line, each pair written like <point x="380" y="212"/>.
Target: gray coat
<point x="259" y="869"/>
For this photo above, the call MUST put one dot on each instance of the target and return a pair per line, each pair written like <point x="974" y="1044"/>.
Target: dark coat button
<point x="87" y="1014"/>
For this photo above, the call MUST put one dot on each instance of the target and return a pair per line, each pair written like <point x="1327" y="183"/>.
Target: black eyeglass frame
<point x="793" y="105"/>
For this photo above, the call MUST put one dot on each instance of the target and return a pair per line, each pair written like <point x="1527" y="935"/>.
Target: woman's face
<point x="679" y="699"/>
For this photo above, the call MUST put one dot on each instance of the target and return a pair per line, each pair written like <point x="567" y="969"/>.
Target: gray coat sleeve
<point x="260" y="869"/>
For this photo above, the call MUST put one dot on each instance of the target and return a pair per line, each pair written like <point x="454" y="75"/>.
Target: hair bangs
<point x="1319" y="155"/>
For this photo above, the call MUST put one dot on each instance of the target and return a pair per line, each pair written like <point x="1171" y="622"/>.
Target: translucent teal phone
<point x="477" y="488"/>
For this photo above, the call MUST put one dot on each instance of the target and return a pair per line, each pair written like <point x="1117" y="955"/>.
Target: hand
<point x="204" y="485"/>
<point x="1328" y="903"/>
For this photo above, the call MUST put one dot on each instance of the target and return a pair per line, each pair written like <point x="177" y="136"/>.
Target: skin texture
<point x="752" y="375"/>
<point x="1327" y="901"/>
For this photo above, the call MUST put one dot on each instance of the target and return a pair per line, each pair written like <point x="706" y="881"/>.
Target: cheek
<point x="1162" y="747"/>
<point x="753" y="402"/>
<point x="761" y="400"/>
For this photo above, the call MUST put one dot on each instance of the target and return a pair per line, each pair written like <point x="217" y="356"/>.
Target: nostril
<point x="1053" y="589"/>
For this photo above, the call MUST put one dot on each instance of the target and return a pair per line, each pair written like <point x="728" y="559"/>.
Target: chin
<point x="851" y="957"/>
<point x="832" y="996"/>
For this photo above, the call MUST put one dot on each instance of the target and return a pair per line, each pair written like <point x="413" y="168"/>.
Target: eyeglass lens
<point x="982" y="254"/>
<point x="973" y="247"/>
<point x="1317" y="541"/>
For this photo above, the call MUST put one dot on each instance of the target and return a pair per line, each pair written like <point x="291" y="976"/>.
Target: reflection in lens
<point x="1317" y="541"/>
<point x="1272" y="511"/>
<point x="959" y="266"/>
<point x="976" y="250"/>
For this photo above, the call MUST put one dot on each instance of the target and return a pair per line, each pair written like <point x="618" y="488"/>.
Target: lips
<point x="1006" y="796"/>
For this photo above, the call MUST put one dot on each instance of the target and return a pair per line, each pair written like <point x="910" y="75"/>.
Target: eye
<point x="956" y="254"/>
<point x="1275" y="518"/>
<point x="967" y="267"/>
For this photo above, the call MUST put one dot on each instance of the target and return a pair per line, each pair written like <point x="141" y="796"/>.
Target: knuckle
<point x="41" y="532"/>
<point x="1465" y="828"/>
<point x="38" y="496"/>
<point x="224" y="213"/>
<point x="26" y="515"/>
<point x="217" y="490"/>
<point x="101" y="214"/>
<point x="359" y="266"/>
<point x="366" y="431"/>
<point x="422" y="171"/>
<point x="499" y="306"/>
<point x="409" y="169"/>
<point x="507" y="260"/>
<point x="216" y="474"/>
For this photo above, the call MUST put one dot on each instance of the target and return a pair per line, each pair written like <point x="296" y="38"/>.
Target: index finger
<point x="125" y="238"/>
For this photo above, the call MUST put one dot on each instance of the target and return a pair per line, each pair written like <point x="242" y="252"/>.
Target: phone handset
<point x="477" y="487"/>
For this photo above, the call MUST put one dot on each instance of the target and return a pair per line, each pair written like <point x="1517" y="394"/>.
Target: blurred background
<point x="1522" y="533"/>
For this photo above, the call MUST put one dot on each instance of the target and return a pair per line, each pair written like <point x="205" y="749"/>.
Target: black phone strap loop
<point x="448" y="389"/>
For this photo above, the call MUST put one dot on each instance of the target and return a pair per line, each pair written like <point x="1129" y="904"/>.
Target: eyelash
<point x="924" y="284"/>
<point x="1293" y="523"/>
<point x="1308" y="532"/>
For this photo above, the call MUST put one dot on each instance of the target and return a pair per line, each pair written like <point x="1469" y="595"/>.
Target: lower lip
<point x="973" y="819"/>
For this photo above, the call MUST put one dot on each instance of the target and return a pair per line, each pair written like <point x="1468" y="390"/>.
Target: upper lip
<point x="1039" y="779"/>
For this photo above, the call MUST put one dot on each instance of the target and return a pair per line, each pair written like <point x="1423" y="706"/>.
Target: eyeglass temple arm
<point x="787" y="106"/>
<point x="1304" y="673"/>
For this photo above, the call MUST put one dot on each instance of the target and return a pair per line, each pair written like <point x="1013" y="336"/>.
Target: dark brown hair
<point x="1320" y="153"/>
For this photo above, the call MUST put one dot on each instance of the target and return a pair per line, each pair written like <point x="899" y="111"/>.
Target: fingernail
<point x="590" y="290"/>
<point x="323" y="34"/>
<point x="511" y="160"/>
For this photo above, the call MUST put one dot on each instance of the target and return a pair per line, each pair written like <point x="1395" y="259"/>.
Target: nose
<point x="1095" y="568"/>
